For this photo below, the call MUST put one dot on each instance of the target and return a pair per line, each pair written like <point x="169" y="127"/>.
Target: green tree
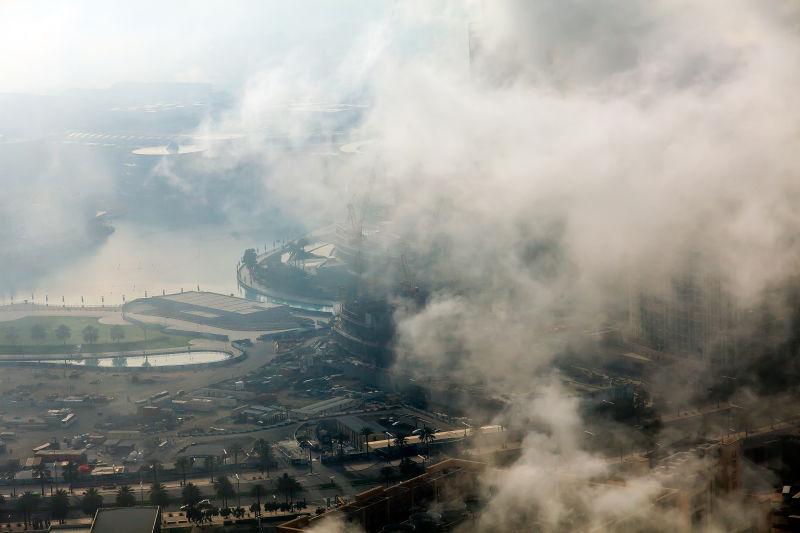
<point x="426" y="436"/>
<point x="257" y="492"/>
<point x="90" y="334"/>
<point x="126" y="497"/>
<point x="190" y="494"/>
<point x="59" y="505"/>
<point x="63" y="333"/>
<point x="183" y="463"/>
<point x="159" y="495"/>
<point x="250" y="259"/>
<point x="263" y="450"/>
<point x="91" y="502"/>
<point x="12" y="335"/>
<point x="386" y="473"/>
<point x="224" y="489"/>
<point x="117" y="333"/>
<point x="27" y="504"/>
<point x="38" y="332"/>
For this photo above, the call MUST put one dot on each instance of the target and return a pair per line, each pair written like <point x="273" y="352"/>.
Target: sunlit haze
<point x="339" y="266"/>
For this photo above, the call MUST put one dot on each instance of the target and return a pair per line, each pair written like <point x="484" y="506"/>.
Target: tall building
<point x="689" y="314"/>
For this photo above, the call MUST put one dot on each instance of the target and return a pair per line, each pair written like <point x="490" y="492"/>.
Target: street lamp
<point x="238" y="493"/>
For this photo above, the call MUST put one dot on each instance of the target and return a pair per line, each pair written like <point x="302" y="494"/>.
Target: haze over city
<point x="399" y="266"/>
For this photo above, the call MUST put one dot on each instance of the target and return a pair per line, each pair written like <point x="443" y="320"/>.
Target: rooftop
<point x="126" y="520"/>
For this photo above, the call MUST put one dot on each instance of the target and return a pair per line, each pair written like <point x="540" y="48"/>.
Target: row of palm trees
<point x="57" y="506"/>
<point x="262" y="450"/>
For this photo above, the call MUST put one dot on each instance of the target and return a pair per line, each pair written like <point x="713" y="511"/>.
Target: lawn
<point x="135" y="337"/>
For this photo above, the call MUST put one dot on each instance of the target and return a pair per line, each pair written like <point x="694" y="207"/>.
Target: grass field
<point x="135" y="337"/>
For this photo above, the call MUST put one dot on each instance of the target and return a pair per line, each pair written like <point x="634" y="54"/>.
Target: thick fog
<point x="588" y="147"/>
<point x="544" y="157"/>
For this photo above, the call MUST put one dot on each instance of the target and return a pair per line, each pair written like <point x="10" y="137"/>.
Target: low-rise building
<point x="330" y="406"/>
<point x="351" y="426"/>
<point x="260" y="413"/>
<point x="127" y="520"/>
<point x="75" y="456"/>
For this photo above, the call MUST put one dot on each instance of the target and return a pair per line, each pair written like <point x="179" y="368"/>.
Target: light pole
<point x="238" y="492"/>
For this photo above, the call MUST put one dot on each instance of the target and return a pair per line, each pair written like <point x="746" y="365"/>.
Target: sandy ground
<point x="63" y="382"/>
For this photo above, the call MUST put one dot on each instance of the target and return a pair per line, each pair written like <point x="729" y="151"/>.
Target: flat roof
<point x="325" y="405"/>
<point x="125" y="520"/>
<point x="355" y="423"/>
<point x="219" y="302"/>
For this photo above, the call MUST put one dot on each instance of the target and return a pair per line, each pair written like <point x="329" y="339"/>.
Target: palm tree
<point x="91" y="502"/>
<point x="126" y="497"/>
<point x="210" y="463"/>
<point x="63" y="333"/>
<point x="236" y="450"/>
<point x="224" y="489"/>
<point x="257" y="492"/>
<point x="71" y="474"/>
<point x="27" y="504"/>
<point x="366" y="431"/>
<point x="12" y="334"/>
<point x="59" y="505"/>
<point x="288" y="486"/>
<point x="183" y="463"/>
<point x="191" y="494"/>
<point x="400" y="441"/>
<point x="264" y="451"/>
<point x="159" y="495"/>
<point x="9" y="472"/>
<point x="387" y="472"/>
<point x="41" y="473"/>
<point x="427" y="435"/>
<point x="155" y="466"/>
<point x="340" y="439"/>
